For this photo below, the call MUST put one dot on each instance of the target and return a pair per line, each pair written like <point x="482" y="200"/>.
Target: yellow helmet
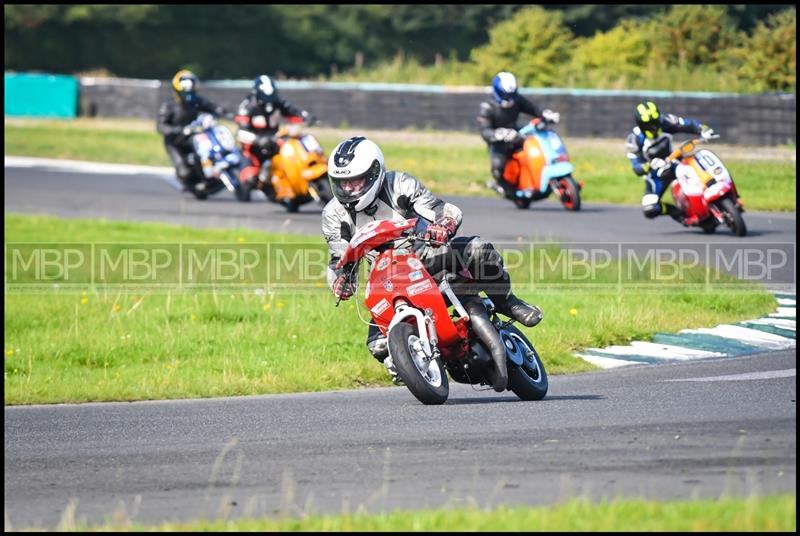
<point x="648" y="119"/>
<point x="185" y="84"/>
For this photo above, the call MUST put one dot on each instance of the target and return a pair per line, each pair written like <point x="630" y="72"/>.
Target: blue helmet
<point x="264" y="89"/>
<point x="504" y="89"/>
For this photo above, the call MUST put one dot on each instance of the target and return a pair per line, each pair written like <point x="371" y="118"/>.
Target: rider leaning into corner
<point x="364" y="191"/>
<point x="174" y="117"/>
<point x="259" y="117"/>
<point x="648" y="144"/>
<point x="497" y="120"/>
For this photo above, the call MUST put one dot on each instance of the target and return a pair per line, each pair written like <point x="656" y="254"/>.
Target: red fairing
<point x="372" y="235"/>
<point x="398" y="274"/>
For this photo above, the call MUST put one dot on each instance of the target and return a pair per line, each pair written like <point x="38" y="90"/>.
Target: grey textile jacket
<point x="401" y="197"/>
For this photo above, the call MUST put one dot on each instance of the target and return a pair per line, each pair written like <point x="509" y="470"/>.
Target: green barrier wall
<point x="40" y="95"/>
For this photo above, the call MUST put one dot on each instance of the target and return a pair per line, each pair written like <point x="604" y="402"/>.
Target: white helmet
<point x="356" y="171"/>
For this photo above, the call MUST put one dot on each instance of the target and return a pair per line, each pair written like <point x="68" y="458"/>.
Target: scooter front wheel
<point x="425" y="378"/>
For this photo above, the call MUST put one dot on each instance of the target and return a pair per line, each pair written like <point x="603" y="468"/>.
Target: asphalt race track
<point x="699" y="429"/>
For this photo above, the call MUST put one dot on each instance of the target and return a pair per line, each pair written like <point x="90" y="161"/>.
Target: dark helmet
<point x="185" y="85"/>
<point x="648" y="119"/>
<point x="264" y="89"/>
<point x="504" y="89"/>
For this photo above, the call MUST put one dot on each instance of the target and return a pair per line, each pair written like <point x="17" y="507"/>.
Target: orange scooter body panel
<point x="524" y="169"/>
<point x="294" y="167"/>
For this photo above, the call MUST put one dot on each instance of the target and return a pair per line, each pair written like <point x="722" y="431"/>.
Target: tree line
<point x="556" y="44"/>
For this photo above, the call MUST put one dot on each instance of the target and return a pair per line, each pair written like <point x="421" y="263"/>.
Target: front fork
<point x="425" y="324"/>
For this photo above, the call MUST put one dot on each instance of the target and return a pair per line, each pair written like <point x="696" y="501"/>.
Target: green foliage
<point x="532" y="44"/>
<point x="390" y="43"/>
<point x="691" y="35"/>
<point x="610" y="59"/>
<point x="769" y="57"/>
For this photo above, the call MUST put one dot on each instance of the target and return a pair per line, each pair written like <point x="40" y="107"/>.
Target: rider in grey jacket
<point x="364" y="192"/>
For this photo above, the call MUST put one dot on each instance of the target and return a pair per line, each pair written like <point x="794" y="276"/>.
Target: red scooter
<point x="427" y="341"/>
<point x="704" y="190"/>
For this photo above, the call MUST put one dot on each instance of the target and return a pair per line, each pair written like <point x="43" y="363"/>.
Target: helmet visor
<point x="351" y="189"/>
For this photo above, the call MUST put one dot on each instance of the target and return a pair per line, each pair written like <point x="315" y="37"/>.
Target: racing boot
<point x="675" y="213"/>
<point x="392" y="370"/>
<point x="513" y="307"/>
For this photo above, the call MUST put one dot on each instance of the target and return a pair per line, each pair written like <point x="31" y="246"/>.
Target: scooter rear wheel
<point x="733" y="217"/>
<point x="571" y="199"/>
<point x="528" y="380"/>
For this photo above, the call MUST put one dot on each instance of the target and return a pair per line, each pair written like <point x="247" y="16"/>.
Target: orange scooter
<point x="297" y="174"/>
<point x="542" y="167"/>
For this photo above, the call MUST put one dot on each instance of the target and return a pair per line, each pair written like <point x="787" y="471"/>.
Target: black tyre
<point x="201" y="194"/>
<point x="323" y="188"/>
<point x="243" y="191"/>
<point x="733" y="218"/>
<point x="292" y="205"/>
<point x="429" y="385"/>
<point x="529" y="380"/>
<point x="522" y="202"/>
<point x="572" y="193"/>
<point x="709" y="226"/>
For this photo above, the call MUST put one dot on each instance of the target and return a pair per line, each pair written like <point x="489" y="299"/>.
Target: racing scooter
<point x="296" y="175"/>
<point x="542" y="167"/>
<point x="216" y="161"/>
<point x="704" y="189"/>
<point x="427" y="341"/>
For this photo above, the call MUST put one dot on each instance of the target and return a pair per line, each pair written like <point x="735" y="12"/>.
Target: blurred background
<point x="421" y="66"/>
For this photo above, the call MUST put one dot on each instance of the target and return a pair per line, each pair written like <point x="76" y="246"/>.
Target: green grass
<point x="95" y="344"/>
<point x="753" y="514"/>
<point x="447" y="162"/>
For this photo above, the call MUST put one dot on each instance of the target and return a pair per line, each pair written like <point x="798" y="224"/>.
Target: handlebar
<point x="353" y="266"/>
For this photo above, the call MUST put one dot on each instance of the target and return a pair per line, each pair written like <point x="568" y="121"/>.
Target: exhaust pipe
<point x="484" y="329"/>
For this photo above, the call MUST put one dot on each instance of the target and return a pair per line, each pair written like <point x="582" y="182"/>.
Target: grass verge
<point x="87" y="343"/>
<point x="753" y="514"/>
<point x="450" y="163"/>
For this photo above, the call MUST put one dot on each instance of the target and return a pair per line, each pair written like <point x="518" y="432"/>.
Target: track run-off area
<point x="700" y="428"/>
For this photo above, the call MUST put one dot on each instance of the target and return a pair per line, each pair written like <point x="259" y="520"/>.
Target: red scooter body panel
<point x="373" y="235"/>
<point x="401" y="275"/>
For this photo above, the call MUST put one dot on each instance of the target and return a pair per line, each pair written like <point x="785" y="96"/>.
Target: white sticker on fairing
<point x="414" y="276"/>
<point x="419" y="288"/>
<point x="365" y="233"/>
<point x="414" y="263"/>
<point x="380" y="307"/>
<point x="382" y="264"/>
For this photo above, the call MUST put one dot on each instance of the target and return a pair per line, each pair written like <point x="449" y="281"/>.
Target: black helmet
<point x="648" y="119"/>
<point x="264" y="89"/>
<point x="185" y="85"/>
